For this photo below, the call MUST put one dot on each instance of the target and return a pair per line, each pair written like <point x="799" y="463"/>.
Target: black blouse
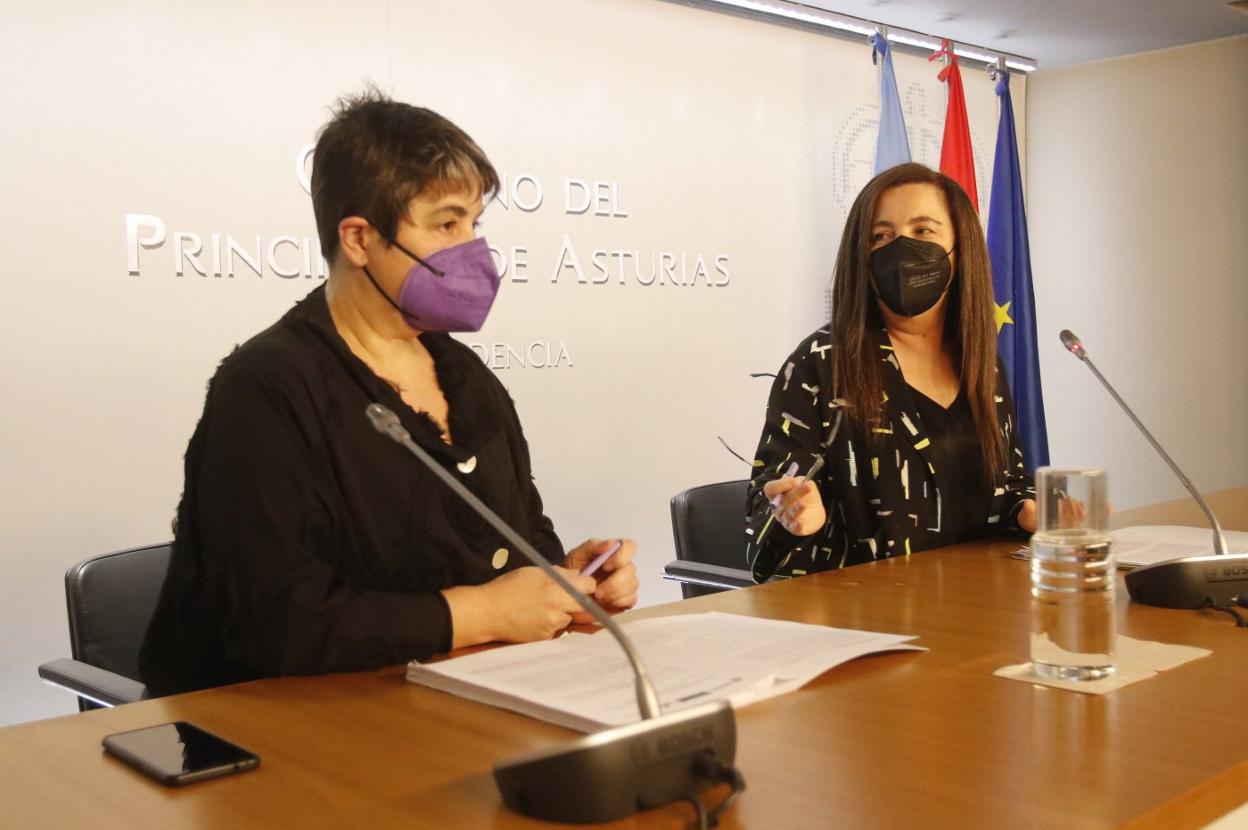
<point x="957" y="453"/>
<point x="306" y="541"/>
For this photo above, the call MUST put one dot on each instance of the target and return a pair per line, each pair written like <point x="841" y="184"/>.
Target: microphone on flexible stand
<point x="610" y="774"/>
<point x="1192" y="581"/>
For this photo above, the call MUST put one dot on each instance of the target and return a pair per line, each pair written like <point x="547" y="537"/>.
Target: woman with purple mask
<point x="307" y="542"/>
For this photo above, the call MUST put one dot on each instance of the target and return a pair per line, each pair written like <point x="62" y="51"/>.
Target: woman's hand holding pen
<point x="520" y="606"/>
<point x="797" y="504"/>
<point x="610" y="563"/>
<point x="525" y="604"/>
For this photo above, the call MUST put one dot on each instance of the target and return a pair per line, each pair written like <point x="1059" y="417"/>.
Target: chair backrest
<point x="708" y="524"/>
<point x="111" y="600"/>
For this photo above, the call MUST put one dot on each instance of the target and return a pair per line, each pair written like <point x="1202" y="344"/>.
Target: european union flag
<point x="1011" y="282"/>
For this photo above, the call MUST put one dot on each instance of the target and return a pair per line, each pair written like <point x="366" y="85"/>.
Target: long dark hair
<point x="969" y="322"/>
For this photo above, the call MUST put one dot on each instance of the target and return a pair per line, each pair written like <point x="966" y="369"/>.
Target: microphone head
<point x="384" y="421"/>
<point x="1073" y="344"/>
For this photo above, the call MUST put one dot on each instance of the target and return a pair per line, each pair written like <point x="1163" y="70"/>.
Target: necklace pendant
<point x="468" y="466"/>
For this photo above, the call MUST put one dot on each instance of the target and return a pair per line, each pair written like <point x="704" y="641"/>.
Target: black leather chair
<point x="111" y="599"/>
<point x="708" y="525"/>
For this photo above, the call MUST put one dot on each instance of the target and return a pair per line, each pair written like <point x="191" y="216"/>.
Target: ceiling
<point x="1056" y="32"/>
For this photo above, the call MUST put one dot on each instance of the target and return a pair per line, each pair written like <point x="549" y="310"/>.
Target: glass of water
<point x="1072" y="577"/>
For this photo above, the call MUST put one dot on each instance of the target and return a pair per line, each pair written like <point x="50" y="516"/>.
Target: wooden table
<point x="900" y="740"/>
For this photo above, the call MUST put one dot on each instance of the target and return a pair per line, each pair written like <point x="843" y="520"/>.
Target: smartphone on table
<point x="179" y="753"/>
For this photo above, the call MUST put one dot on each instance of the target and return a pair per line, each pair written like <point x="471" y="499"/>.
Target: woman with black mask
<point x="901" y="395"/>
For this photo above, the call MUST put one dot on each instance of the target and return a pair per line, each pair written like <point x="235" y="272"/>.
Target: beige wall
<point x="726" y="137"/>
<point x="1138" y="187"/>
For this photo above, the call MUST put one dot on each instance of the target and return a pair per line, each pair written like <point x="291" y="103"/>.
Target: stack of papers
<point x="584" y="681"/>
<point x="1135" y="547"/>
<point x="1142" y="545"/>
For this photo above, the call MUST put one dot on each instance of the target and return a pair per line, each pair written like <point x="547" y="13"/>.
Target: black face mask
<point x="909" y="275"/>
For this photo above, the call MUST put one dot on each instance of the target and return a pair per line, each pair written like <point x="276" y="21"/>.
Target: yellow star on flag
<point x="1002" y="315"/>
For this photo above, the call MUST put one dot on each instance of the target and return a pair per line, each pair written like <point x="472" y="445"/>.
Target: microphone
<point x="613" y="773"/>
<point x="1192" y="581"/>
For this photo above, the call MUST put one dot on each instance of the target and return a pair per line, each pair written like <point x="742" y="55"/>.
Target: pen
<point x="789" y="473"/>
<point x="589" y="569"/>
<point x="814" y="468"/>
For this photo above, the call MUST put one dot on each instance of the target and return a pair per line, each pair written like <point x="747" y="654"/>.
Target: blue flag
<point x="891" y="148"/>
<point x="1011" y="283"/>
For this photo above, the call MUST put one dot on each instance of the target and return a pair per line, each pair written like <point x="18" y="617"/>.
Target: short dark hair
<point x="376" y="154"/>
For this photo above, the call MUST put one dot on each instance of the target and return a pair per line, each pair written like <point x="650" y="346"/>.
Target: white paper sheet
<point x="584" y="682"/>
<point x="1147" y="544"/>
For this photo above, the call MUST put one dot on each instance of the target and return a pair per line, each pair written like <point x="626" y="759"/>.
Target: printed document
<point x="1142" y="545"/>
<point x="584" y="681"/>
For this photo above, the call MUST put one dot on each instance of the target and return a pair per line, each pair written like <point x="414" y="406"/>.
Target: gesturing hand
<point x="1027" y="516"/>
<point x="800" y="509"/>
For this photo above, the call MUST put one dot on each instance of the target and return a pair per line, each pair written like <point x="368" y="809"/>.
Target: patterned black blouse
<point x="883" y="498"/>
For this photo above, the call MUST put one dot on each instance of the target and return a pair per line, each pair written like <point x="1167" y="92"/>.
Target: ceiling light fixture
<point x="809" y="15"/>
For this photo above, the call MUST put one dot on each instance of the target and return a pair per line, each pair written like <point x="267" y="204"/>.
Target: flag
<point x="1011" y="283"/>
<point x="891" y="147"/>
<point x="956" y="159"/>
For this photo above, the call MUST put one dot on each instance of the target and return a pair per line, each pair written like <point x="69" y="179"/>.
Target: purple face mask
<point x="451" y="290"/>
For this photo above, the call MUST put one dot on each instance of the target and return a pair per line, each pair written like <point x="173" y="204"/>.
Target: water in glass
<point x="1072" y="590"/>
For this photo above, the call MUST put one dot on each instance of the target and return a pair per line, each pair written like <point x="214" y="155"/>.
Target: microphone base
<point x="1191" y="582"/>
<point x="614" y="773"/>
